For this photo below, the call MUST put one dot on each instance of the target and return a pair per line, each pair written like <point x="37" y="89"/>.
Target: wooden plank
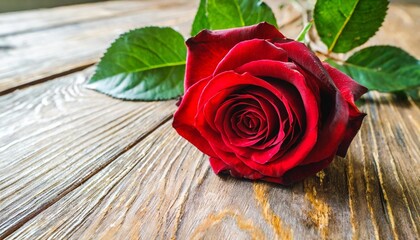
<point x="56" y="135"/>
<point x="36" y="56"/>
<point x="389" y="167"/>
<point x="151" y="172"/>
<point x="35" y="20"/>
<point x="170" y="192"/>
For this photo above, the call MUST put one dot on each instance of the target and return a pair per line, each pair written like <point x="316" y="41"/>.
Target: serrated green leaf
<point x="200" y="20"/>
<point x="305" y="30"/>
<point x="345" y="24"/>
<point x="223" y="14"/>
<point x="383" y="68"/>
<point x="143" y="64"/>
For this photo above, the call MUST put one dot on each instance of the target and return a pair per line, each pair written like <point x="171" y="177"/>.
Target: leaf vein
<point x="342" y="27"/>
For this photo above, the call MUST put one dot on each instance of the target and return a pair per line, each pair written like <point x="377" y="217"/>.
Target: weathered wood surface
<point x="35" y="20"/>
<point x="51" y="128"/>
<point x="32" y="56"/>
<point x="75" y="164"/>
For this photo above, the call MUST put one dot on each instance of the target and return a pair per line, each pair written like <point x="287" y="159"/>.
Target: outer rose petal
<point x="218" y="165"/>
<point x="307" y="60"/>
<point x="183" y="121"/>
<point x="248" y="51"/>
<point x="208" y="48"/>
<point x="351" y="91"/>
<point x="353" y="126"/>
<point x="300" y="172"/>
<point x="331" y="130"/>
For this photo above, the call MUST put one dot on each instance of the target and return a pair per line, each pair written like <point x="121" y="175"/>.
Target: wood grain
<point x="75" y="164"/>
<point x="151" y="180"/>
<point x="41" y="19"/>
<point x="36" y="56"/>
<point x="56" y="135"/>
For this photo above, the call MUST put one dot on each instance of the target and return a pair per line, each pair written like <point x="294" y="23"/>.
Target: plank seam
<point x="48" y="78"/>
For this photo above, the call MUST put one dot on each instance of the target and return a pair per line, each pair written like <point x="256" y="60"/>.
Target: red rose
<point x="263" y="106"/>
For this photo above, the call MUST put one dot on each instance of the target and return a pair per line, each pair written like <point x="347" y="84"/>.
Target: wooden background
<point x="75" y="164"/>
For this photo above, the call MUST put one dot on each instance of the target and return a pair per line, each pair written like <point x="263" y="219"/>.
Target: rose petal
<point x="293" y="98"/>
<point x="300" y="54"/>
<point x="351" y="91"/>
<point x="297" y="116"/>
<point x="183" y="121"/>
<point x="248" y="51"/>
<point x="229" y="136"/>
<point x="244" y="146"/>
<point x="252" y="176"/>
<point x="287" y="72"/>
<point x="274" y="110"/>
<point x="353" y="126"/>
<point x="231" y="160"/>
<point x="331" y="130"/>
<point x="218" y="165"/>
<point x="235" y="133"/>
<point x="213" y="105"/>
<point x="210" y="47"/>
<point x="345" y="119"/>
<point x="243" y="133"/>
<point x="301" y="172"/>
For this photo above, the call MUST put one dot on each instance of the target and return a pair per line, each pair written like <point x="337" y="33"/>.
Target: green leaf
<point x="200" y="20"/>
<point x="223" y="14"/>
<point x="414" y="93"/>
<point x="305" y="30"/>
<point x="383" y="68"/>
<point x="143" y="64"/>
<point x="345" y="24"/>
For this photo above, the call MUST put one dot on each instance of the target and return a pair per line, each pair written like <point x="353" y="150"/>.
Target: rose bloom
<point x="263" y="106"/>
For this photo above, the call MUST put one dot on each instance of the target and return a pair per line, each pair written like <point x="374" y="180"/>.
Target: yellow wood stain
<point x="244" y="224"/>
<point x="270" y="217"/>
<point x="350" y="185"/>
<point x="320" y="212"/>
<point x="321" y="176"/>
